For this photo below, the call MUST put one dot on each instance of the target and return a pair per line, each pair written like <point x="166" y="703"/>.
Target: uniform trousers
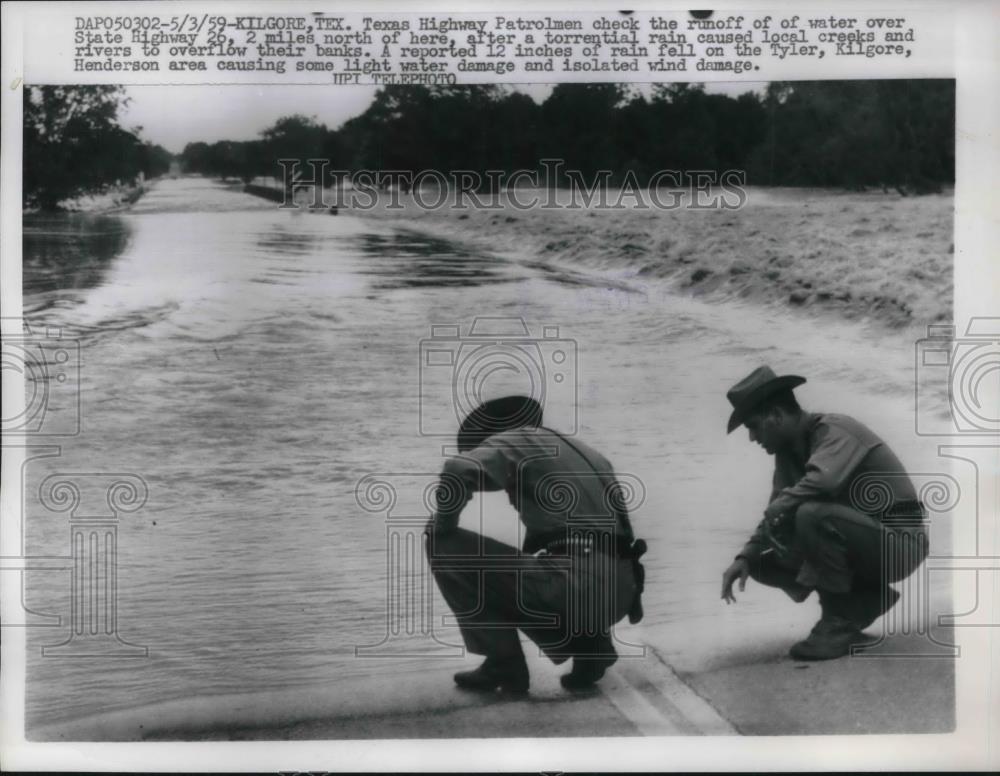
<point x="849" y="556"/>
<point x="565" y="603"/>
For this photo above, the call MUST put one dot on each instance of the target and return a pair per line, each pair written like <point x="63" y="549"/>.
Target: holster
<point x="780" y="539"/>
<point x="635" y="551"/>
<point x="631" y="552"/>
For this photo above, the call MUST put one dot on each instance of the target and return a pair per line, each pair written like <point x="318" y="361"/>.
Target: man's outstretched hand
<point x="739" y="569"/>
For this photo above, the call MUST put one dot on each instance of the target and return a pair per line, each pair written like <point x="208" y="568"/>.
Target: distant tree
<point x="580" y="126"/>
<point x="155" y="160"/>
<point x="194" y="158"/>
<point x="292" y="137"/>
<point x="684" y="134"/>
<point x="737" y="127"/>
<point x="919" y="127"/>
<point x="517" y="123"/>
<point x="227" y="159"/>
<point x="253" y="161"/>
<point x="74" y="144"/>
<point x="394" y="132"/>
<point x="854" y="134"/>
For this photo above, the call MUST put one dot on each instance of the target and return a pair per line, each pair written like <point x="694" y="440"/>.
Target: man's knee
<point x="816" y="520"/>
<point x="439" y="545"/>
<point x="444" y="545"/>
<point x="809" y="515"/>
<point x="823" y="518"/>
<point x="813" y="526"/>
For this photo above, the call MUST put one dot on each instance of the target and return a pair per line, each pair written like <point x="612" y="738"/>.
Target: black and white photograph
<point x="607" y="405"/>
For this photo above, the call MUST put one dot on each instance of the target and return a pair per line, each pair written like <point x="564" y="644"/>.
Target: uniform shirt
<point x="837" y="459"/>
<point x="548" y="482"/>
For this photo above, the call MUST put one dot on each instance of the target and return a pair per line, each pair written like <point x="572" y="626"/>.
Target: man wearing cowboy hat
<point x="843" y="517"/>
<point x="576" y="574"/>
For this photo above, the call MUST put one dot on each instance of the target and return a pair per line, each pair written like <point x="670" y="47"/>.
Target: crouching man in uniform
<point x="816" y="533"/>
<point x="577" y="573"/>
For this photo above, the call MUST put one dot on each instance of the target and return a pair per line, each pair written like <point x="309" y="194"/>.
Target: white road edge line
<point x="633" y="705"/>
<point x="692" y="706"/>
<point x="657" y="673"/>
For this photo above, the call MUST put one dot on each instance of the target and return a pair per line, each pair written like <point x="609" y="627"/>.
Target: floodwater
<point x="252" y="366"/>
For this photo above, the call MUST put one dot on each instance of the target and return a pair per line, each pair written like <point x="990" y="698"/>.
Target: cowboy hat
<point x="496" y="415"/>
<point x="753" y="389"/>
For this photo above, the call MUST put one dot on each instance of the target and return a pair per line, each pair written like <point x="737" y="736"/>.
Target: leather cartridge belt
<point x="587" y="544"/>
<point x="904" y="512"/>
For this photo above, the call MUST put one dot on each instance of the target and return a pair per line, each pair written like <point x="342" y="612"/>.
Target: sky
<point x="173" y="116"/>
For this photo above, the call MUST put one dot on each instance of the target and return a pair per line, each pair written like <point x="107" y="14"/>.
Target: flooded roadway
<point x="253" y="365"/>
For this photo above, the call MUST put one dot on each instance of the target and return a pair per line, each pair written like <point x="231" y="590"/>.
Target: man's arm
<point x="834" y="457"/>
<point x="484" y="468"/>
<point x="759" y="539"/>
<point x="756" y="544"/>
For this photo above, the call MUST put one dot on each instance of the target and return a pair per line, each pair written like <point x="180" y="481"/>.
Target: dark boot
<point x="838" y="629"/>
<point x="871" y="605"/>
<point x="586" y="672"/>
<point x="797" y="593"/>
<point x="830" y="638"/>
<point x="509" y="675"/>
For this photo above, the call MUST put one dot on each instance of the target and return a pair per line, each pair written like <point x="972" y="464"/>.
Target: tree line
<point x="74" y="144"/>
<point x="853" y="134"/>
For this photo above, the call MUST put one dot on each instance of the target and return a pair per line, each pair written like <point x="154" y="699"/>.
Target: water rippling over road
<point x="253" y="364"/>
